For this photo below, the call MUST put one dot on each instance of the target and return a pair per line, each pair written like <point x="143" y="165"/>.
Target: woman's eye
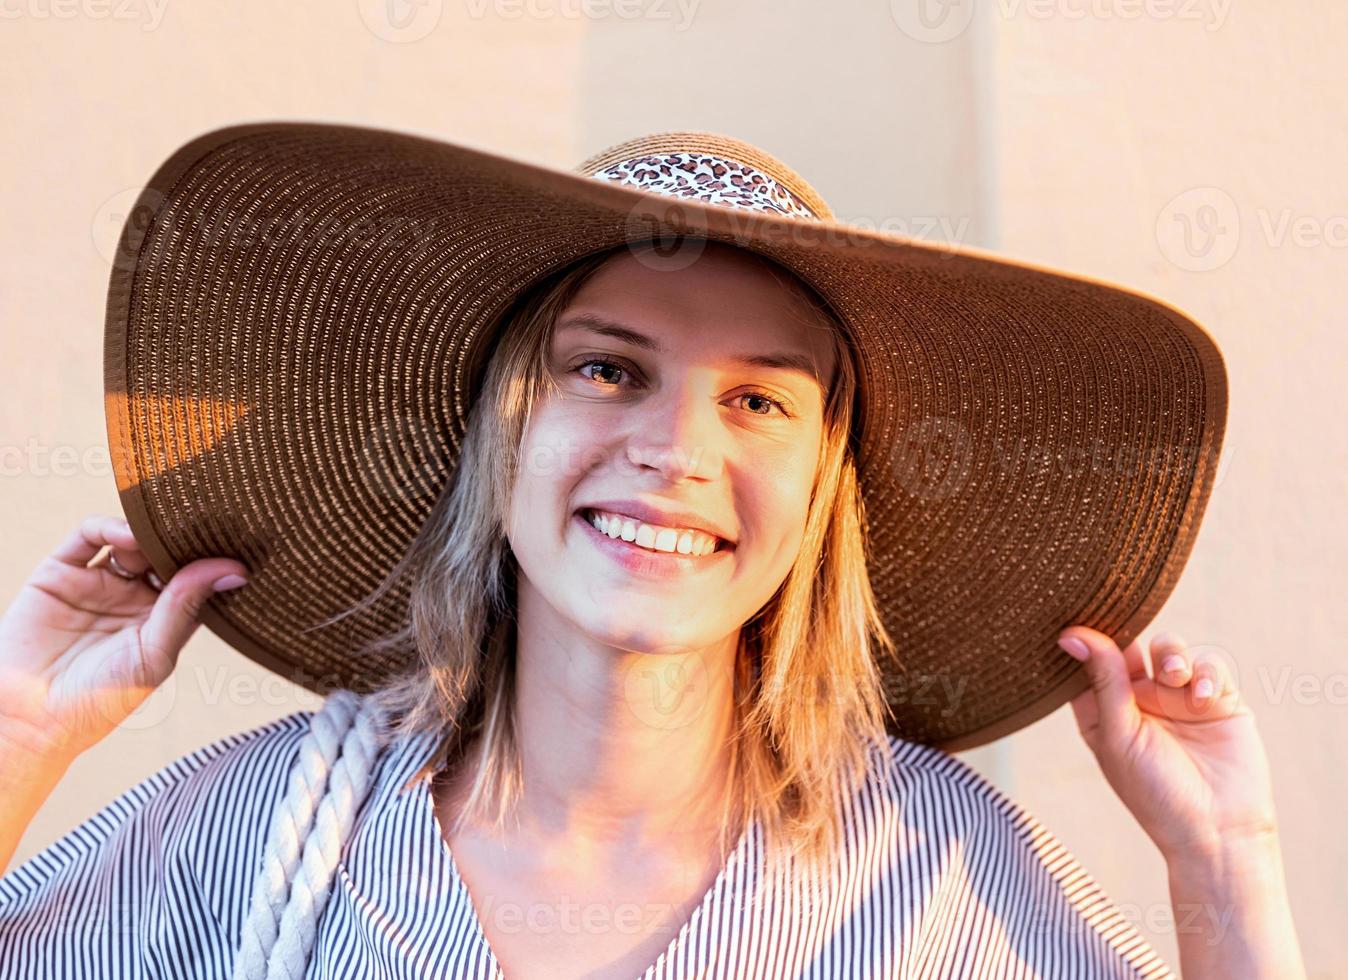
<point x="609" y="368"/>
<point x="771" y="402"/>
<point x="606" y="364"/>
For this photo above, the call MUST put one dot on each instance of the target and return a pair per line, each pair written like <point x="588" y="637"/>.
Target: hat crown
<point x="709" y="167"/>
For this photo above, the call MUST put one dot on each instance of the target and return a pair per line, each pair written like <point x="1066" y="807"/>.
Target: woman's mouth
<point x="652" y="537"/>
<point x="644" y="549"/>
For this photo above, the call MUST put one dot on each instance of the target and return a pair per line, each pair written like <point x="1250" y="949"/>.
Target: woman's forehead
<point x="744" y="308"/>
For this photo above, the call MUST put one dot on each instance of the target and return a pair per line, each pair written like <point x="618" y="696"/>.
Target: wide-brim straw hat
<point x="299" y="314"/>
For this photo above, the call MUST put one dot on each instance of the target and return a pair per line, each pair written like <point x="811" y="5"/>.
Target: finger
<point x="93" y="533"/>
<point x="1171" y="661"/>
<point x="128" y="559"/>
<point x="1212" y="682"/>
<point x="1163" y="701"/>
<point x="177" y="611"/>
<point x="1116" y="719"/>
<point x="1182" y="703"/>
<point x="1134" y="657"/>
<point x="1087" y="714"/>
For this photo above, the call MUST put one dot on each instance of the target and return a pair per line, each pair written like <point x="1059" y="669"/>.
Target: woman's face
<point x="659" y="408"/>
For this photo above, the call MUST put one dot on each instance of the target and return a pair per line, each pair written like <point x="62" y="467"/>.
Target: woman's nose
<point x="680" y="436"/>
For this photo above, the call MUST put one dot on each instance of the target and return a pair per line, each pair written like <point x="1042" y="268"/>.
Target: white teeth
<point x="652" y="536"/>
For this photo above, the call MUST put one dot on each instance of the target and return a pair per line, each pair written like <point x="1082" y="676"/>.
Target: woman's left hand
<point x="1191" y="768"/>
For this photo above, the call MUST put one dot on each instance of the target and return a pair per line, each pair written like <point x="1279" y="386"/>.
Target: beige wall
<point x="1112" y="134"/>
<point x="1083" y="141"/>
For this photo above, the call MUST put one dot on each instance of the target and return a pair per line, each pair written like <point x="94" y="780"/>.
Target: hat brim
<point x="298" y="313"/>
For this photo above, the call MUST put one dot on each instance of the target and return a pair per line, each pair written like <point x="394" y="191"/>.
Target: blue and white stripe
<point x="941" y="875"/>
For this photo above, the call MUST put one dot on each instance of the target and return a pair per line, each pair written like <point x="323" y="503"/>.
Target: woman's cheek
<point x="791" y="507"/>
<point x="572" y="441"/>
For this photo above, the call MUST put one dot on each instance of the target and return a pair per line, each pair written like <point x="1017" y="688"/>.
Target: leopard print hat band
<point x="723" y="171"/>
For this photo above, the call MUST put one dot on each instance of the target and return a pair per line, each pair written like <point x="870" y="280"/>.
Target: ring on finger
<point x="116" y="567"/>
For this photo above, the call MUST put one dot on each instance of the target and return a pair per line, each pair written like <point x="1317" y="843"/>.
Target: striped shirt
<point x="940" y="875"/>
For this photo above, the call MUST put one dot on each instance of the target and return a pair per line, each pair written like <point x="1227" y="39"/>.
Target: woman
<point x="661" y="744"/>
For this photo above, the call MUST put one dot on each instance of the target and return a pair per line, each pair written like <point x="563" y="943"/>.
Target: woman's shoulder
<point x="902" y="771"/>
<point x="949" y="791"/>
<point x="927" y="789"/>
<point x="985" y="862"/>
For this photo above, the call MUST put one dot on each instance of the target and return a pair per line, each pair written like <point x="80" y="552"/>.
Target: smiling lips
<point x="653" y="537"/>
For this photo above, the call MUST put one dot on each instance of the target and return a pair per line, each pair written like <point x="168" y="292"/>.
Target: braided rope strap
<point x="326" y="786"/>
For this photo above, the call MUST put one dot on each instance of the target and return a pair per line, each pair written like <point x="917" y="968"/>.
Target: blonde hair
<point x="808" y="701"/>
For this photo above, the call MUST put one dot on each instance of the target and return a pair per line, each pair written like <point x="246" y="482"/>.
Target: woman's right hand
<point x="81" y="648"/>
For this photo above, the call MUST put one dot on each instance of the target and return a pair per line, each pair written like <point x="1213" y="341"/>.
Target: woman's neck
<point x="619" y="747"/>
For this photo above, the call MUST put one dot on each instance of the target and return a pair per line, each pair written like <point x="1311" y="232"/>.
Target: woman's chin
<point x="655" y="634"/>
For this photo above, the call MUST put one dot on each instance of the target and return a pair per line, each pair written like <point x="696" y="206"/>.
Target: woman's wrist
<point x="27" y="756"/>
<point x="1255" y="847"/>
<point x="1231" y="909"/>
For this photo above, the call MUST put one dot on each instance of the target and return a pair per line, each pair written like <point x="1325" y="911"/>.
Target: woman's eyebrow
<point x="787" y="360"/>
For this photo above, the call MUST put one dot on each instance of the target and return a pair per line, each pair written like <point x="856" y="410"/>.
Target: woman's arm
<point x="1180" y="748"/>
<point x="24" y="787"/>
<point x="1232" y="914"/>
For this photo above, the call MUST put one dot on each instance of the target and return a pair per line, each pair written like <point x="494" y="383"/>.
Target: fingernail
<point x="1172" y="664"/>
<point x="1075" y="647"/>
<point x="229" y="582"/>
<point x="1203" y="688"/>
